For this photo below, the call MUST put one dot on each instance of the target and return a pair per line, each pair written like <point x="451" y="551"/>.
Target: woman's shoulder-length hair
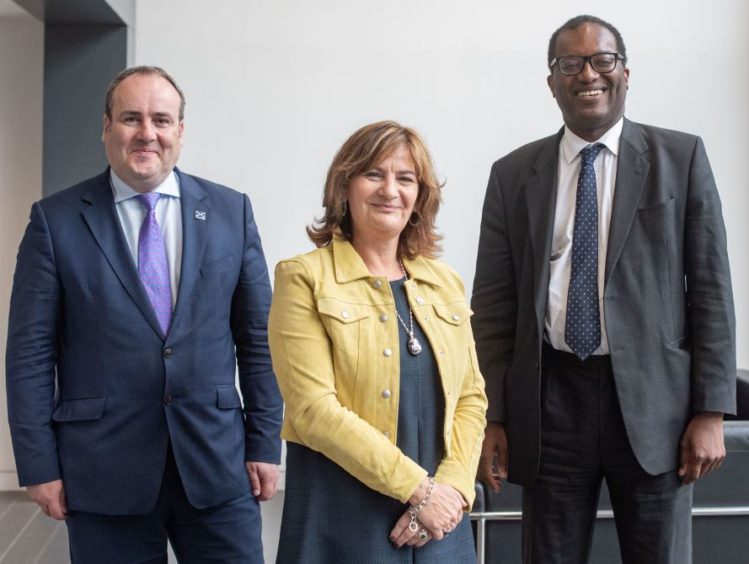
<point x="366" y="147"/>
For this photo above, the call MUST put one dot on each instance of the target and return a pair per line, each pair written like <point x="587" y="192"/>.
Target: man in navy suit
<point x="127" y="326"/>
<point x="604" y="317"/>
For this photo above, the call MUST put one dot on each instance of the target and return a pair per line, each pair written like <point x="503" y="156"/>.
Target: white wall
<point x="274" y="88"/>
<point x="21" y="60"/>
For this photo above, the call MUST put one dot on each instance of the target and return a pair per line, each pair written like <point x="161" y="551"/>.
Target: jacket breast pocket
<point x="87" y="409"/>
<point x="343" y="323"/>
<point x="453" y="324"/>
<point x="659" y="212"/>
<point x="656" y="228"/>
<point x="456" y="314"/>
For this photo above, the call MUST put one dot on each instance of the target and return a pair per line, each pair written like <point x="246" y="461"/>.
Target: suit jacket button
<point x="167" y="399"/>
<point x="167" y="353"/>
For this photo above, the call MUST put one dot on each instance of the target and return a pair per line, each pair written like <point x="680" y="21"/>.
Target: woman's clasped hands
<point x="436" y="509"/>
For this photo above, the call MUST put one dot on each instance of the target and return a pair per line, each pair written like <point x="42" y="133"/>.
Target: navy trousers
<point x="228" y="533"/>
<point x="583" y="441"/>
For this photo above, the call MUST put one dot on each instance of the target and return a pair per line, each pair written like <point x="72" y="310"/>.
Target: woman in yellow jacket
<point x="372" y="347"/>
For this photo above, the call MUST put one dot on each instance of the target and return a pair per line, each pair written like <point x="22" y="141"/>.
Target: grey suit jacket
<point x="667" y="297"/>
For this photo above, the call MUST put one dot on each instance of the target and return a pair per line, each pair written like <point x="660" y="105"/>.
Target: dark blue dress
<point x="330" y="517"/>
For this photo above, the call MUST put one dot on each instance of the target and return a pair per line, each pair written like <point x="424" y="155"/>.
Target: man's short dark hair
<point x="143" y="69"/>
<point x="576" y="22"/>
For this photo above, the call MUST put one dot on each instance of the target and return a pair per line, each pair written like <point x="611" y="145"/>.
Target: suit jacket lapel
<point x="196" y="217"/>
<point x="101" y="217"/>
<point x="541" y="201"/>
<point x="631" y="173"/>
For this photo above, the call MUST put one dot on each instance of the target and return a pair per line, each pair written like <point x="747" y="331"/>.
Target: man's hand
<point x="50" y="496"/>
<point x="263" y="479"/>
<point x="702" y="446"/>
<point x="493" y="462"/>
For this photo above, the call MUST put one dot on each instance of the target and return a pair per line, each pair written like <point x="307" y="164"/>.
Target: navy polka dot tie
<point x="582" y="330"/>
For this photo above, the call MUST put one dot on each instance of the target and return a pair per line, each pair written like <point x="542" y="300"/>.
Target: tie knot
<point x="149" y="200"/>
<point x="590" y="152"/>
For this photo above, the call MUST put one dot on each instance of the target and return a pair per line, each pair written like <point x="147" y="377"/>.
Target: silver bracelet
<point x="413" y="525"/>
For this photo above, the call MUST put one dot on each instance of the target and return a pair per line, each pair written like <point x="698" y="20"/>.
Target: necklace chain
<point x="414" y="346"/>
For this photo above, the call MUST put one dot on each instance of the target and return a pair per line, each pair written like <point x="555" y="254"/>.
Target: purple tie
<point x="153" y="267"/>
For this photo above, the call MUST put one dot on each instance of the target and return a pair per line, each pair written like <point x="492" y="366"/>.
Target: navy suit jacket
<point x="96" y="391"/>
<point x="667" y="293"/>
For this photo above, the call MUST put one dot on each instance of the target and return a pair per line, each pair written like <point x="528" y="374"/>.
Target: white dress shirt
<point x="564" y="224"/>
<point x="168" y="214"/>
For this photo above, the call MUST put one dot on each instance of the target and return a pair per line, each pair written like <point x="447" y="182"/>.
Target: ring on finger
<point x="423" y="535"/>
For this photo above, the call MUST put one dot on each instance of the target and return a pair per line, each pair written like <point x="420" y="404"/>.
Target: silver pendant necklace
<point x="413" y="345"/>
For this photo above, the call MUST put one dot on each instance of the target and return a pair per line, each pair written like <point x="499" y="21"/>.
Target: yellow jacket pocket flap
<point x="342" y="311"/>
<point x="454" y="314"/>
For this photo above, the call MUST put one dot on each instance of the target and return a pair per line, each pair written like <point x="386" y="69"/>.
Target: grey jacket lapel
<point x="541" y="201"/>
<point x="631" y="173"/>
<point x="101" y="217"/>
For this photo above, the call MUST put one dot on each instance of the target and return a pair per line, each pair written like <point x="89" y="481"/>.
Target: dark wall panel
<point x="80" y="61"/>
<point x="85" y="46"/>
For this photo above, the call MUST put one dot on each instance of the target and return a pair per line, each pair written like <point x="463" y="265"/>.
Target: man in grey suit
<point x="604" y="316"/>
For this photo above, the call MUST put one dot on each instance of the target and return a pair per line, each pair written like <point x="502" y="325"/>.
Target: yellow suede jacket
<point x="333" y="336"/>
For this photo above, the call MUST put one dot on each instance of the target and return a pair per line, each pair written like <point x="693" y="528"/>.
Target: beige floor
<point x="27" y="536"/>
